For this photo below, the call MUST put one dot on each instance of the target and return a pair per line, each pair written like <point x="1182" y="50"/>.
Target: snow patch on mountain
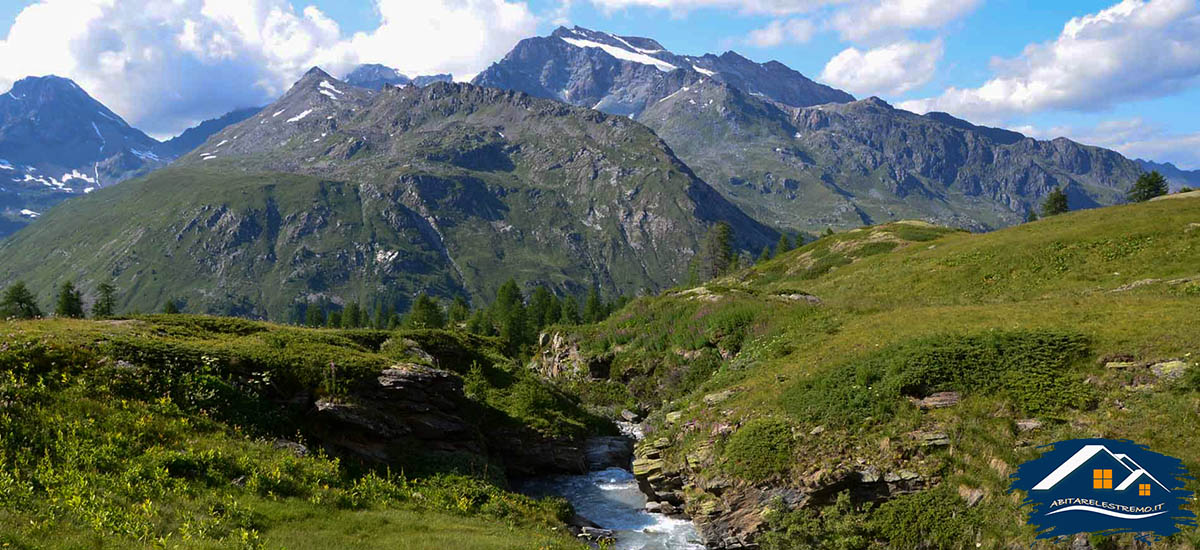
<point x="703" y="71"/>
<point x="5" y="165"/>
<point x="300" y="116"/>
<point x="623" y="54"/>
<point x="326" y="85"/>
<point x="77" y="175"/>
<point x="29" y="213"/>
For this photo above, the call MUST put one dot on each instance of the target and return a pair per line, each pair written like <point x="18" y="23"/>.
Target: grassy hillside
<point x="187" y="432"/>
<point x="804" y="372"/>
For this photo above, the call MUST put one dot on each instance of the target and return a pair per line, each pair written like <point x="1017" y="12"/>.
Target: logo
<point x="1104" y="486"/>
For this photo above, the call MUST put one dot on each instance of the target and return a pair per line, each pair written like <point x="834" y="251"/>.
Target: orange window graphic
<point x="1102" y="479"/>
<point x="1144" y="489"/>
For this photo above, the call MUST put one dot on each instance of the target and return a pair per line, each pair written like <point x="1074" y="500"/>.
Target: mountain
<point x="624" y="75"/>
<point x="1177" y="177"/>
<point x="342" y="193"/>
<point x="374" y="76"/>
<point x="57" y="142"/>
<point x="799" y="155"/>
<point x="196" y="135"/>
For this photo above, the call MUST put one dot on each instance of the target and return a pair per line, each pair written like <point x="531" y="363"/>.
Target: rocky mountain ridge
<point x="56" y="141"/>
<point x="339" y="193"/>
<point x="802" y="156"/>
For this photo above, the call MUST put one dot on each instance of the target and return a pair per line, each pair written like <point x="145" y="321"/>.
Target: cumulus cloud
<point x="869" y="19"/>
<point x="166" y="65"/>
<point x="456" y="36"/>
<point x="795" y="31"/>
<point x="1134" y="50"/>
<point x="892" y="69"/>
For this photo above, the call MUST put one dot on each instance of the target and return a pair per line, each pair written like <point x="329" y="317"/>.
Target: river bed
<point x="611" y="499"/>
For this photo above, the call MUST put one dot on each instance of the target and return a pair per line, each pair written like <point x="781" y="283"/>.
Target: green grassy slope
<point x="164" y="432"/>
<point x="774" y="390"/>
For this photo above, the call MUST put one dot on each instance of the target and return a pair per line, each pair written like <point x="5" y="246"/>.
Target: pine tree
<point x="459" y="311"/>
<point x="510" y="314"/>
<point x="718" y="250"/>
<point x="1055" y="203"/>
<point x="540" y="303"/>
<point x="593" y="308"/>
<point x="828" y="231"/>
<point x="350" y="316"/>
<point x="570" y="311"/>
<point x="426" y="313"/>
<point x="766" y="254"/>
<point x="481" y="323"/>
<point x="170" y="308"/>
<point x="105" y="301"/>
<point x="553" y="312"/>
<point x="19" y="303"/>
<point x="381" y="318"/>
<point x="1148" y="186"/>
<point x="70" y="302"/>
<point x="315" y="316"/>
<point x="785" y="244"/>
<point x="1031" y="216"/>
<point x="334" y="320"/>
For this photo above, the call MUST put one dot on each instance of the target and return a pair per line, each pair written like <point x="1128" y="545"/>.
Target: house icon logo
<point x="1104" y="486"/>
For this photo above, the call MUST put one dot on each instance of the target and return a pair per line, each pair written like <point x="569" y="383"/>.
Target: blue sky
<point x="1001" y="62"/>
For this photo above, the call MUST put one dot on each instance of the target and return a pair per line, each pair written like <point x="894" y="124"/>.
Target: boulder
<point x="940" y="400"/>
<point x="1169" y="370"/>
<point x="714" y="398"/>
<point x="630" y="416"/>
<point x="1122" y="365"/>
<point x="1028" y="424"/>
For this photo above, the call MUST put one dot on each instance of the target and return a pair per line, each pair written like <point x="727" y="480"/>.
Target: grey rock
<point x="607" y="452"/>
<point x="940" y="400"/>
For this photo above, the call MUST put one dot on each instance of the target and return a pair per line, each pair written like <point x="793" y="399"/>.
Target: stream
<point x="611" y="499"/>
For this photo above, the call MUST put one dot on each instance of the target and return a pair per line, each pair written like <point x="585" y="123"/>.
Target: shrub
<point x="935" y="518"/>
<point x="1029" y="367"/>
<point x="839" y="526"/>
<point x="760" y="449"/>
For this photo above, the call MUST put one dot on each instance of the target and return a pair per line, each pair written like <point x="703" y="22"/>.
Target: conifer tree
<point x="426" y="313"/>
<point x="481" y="323"/>
<point x="19" y="303"/>
<point x="350" y="316"/>
<point x="1148" y="186"/>
<point x="512" y="318"/>
<point x="593" y="308"/>
<point x="170" y="308"/>
<point x="766" y="254"/>
<point x="553" y="312"/>
<point x="70" y="302"/>
<point x="334" y="320"/>
<point x="540" y="304"/>
<point x="1055" y="204"/>
<point x="459" y="311"/>
<point x="718" y="250"/>
<point x="106" y="301"/>
<point x="785" y="244"/>
<point x="315" y="316"/>
<point x="570" y="311"/>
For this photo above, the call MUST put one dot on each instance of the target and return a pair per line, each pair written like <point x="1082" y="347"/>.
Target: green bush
<point x="1031" y="368"/>
<point x="759" y="450"/>
<point x="935" y="519"/>
<point x="839" y="526"/>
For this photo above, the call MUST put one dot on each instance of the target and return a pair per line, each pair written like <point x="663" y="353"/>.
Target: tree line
<point x="1148" y="186"/>
<point x="19" y="303"/>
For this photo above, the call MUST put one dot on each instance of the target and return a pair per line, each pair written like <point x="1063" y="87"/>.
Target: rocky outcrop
<point x="729" y="512"/>
<point x="408" y="406"/>
<point x="559" y="357"/>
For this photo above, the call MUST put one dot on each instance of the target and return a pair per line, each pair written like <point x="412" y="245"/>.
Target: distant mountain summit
<point x="374" y="76"/>
<point x="799" y="155"/>
<point x="56" y="141"/>
<point x="624" y="74"/>
<point x="1176" y="176"/>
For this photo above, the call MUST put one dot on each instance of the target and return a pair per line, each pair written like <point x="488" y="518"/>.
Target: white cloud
<point x="892" y="69"/>
<point x="1134" y="50"/>
<point x="165" y="65"/>
<point x="795" y="31"/>
<point x="455" y="36"/>
<point x="873" y="18"/>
